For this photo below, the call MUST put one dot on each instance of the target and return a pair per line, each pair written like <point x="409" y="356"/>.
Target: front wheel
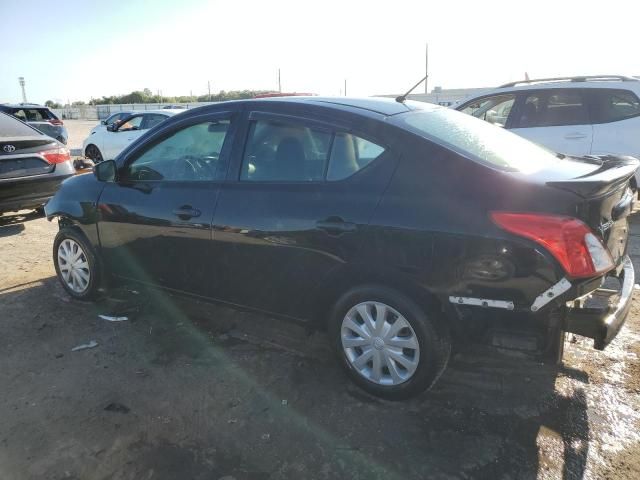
<point x="387" y="343"/>
<point x="76" y="265"/>
<point x="93" y="153"/>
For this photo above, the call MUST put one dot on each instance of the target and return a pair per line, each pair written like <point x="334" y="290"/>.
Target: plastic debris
<point x="117" y="407"/>
<point x="109" y="318"/>
<point x="84" y="346"/>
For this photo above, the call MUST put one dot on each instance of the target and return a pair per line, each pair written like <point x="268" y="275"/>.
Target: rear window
<point x="10" y="127"/>
<point x="33" y="114"/>
<point x="479" y="140"/>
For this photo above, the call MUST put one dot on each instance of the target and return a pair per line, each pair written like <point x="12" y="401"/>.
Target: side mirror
<point x="112" y="128"/>
<point x="105" y="171"/>
<point x="103" y="122"/>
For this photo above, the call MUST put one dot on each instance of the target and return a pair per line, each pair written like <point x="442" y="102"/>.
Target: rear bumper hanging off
<point x="603" y="324"/>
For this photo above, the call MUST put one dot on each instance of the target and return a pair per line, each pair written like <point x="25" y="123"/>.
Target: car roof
<point x="167" y="112"/>
<point x="23" y="105"/>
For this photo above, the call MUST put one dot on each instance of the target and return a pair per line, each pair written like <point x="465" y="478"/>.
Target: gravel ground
<point x="185" y="390"/>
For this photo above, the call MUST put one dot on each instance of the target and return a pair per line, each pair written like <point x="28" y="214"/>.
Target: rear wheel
<point x="388" y="344"/>
<point x="93" y="153"/>
<point x="76" y="265"/>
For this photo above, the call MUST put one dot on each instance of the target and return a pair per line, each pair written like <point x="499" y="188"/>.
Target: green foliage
<point x="146" y="96"/>
<point x="52" y="104"/>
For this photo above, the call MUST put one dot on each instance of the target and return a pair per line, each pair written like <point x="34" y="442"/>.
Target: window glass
<point x="131" y="124"/>
<point x="285" y="152"/>
<point x="479" y="140"/>
<point x="610" y="105"/>
<point x="350" y="154"/>
<point x="190" y="154"/>
<point x="151" y="120"/>
<point x="554" y="108"/>
<point x="492" y="109"/>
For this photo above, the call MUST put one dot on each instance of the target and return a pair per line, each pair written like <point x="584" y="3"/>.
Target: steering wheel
<point x="193" y="167"/>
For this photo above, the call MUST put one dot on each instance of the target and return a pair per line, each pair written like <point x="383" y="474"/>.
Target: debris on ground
<point x="117" y="408"/>
<point x="84" y="346"/>
<point x="110" y="318"/>
<point x="266" y="436"/>
<point x="285" y="402"/>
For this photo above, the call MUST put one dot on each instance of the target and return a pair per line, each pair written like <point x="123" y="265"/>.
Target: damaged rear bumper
<point x="603" y="324"/>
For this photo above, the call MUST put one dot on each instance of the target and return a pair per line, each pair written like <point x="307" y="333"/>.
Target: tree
<point x="52" y="104"/>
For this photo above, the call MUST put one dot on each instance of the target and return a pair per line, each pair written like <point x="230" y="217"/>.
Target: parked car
<point x="399" y="226"/>
<point x="32" y="165"/>
<point x="112" y="119"/>
<point x="588" y="115"/>
<point x="108" y="142"/>
<point x="39" y="117"/>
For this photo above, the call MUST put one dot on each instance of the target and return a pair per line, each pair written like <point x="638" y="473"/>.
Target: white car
<point x="110" y="120"/>
<point x="589" y="115"/>
<point x="106" y="142"/>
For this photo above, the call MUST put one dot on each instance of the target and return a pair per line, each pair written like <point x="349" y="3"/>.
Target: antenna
<point x="402" y="98"/>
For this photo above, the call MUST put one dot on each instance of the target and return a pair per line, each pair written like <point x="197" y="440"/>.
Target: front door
<point x="155" y="221"/>
<point x="295" y="209"/>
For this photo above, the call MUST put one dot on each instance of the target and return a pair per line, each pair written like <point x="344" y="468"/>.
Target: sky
<point x="78" y="50"/>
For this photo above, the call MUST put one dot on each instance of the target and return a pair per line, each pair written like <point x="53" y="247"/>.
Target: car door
<point x="555" y="118"/>
<point x="118" y="138"/>
<point x="155" y="220"/>
<point x="294" y="208"/>
<point x="616" y="121"/>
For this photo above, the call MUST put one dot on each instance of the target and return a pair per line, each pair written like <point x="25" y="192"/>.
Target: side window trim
<point x="129" y="156"/>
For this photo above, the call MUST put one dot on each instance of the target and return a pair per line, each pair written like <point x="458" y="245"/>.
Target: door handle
<point x="335" y="226"/>
<point x="186" y="212"/>
<point x="575" y="136"/>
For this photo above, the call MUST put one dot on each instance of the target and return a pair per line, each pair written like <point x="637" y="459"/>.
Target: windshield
<point x="479" y="140"/>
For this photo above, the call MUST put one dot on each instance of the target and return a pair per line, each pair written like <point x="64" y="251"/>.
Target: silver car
<point x="39" y="117"/>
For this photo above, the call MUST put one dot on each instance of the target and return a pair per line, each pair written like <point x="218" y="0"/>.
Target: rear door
<point x="294" y="209"/>
<point x="616" y="119"/>
<point x="155" y="221"/>
<point x="555" y="118"/>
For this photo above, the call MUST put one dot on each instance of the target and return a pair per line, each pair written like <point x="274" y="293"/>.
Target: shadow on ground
<point x="13" y="223"/>
<point x="186" y="390"/>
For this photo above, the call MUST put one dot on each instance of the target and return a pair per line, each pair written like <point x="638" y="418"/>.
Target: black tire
<point x="91" y="290"/>
<point x="433" y="339"/>
<point x="93" y="153"/>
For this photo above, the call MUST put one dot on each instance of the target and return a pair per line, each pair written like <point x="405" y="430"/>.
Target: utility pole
<point x="279" y="82"/>
<point x="209" y="87"/>
<point x="345" y="87"/>
<point x="24" y="93"/>
<point x="426" y="69"/>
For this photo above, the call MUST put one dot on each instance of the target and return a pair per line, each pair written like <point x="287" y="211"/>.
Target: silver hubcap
<point x="380" y="343"/>
<point x="73" y="265"/>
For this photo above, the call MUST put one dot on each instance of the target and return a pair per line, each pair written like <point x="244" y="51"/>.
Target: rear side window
<point x="478" y="140"/>
<point x="553" y="108"/>
<point x="611" y="105"/>
<point x="285" y="152"/>
<point x="350" y="154"/>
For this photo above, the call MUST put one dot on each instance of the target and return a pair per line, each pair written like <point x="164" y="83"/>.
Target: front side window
<point x="492" y="109"/>
<point x="133" y="123"/>
<point x="190" y="154"/>
<point x="285" y="152"/>
<point x="611" y="105"/>
<point x="553" y="108"/>
<point x="478" y="140"/>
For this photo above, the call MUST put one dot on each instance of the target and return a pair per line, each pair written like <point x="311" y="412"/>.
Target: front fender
<point x="75" y="203"/>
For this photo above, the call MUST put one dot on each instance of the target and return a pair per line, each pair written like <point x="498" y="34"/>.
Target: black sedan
<point x="400" y="227"/>
<point x="32" y="165"/>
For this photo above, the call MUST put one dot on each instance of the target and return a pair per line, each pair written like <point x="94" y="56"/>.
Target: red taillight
<point x="57" y="155"/>
<point x="55" y="121"/>
<point x="570" y="241"/>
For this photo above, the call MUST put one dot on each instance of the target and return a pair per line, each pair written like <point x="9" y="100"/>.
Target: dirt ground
<point x="189" y="391"/>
